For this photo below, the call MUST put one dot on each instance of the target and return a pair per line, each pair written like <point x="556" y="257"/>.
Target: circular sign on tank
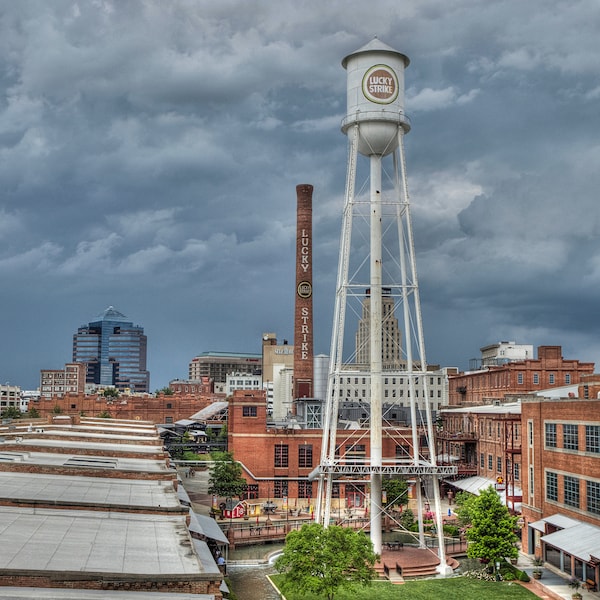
<point x="380" y="84"/>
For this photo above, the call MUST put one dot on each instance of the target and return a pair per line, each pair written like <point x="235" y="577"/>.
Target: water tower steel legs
<point x="376" y="347"/>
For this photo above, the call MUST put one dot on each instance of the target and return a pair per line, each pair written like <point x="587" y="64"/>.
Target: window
<point x="252" y="491"/>
<point x="482" y="460"/>
<point x="516" y="470"/>
<point x="550" y="435"/>
<point x="530" y="433"/>
<point x="281" y="455"/>
<point x="551" y="378"/>
<point x="570" y="438"/>
<point x="567" y="378"/>
<point x="490" y="462"/>
<point x="551" y="486"/>
<point x="169" y="405"/>
<point x="249" y="411"/>
<point x="593" y="497"/>
<point x="499" y="464"/>
<point x="536" y="378"/>
<point x="531" y="482"/>
<point x="305" y="489"/>
<point x="305" y="457"/>
<point x="571" y="491"/>
<point x="520" y="378"/>
<point x="280" y="488"/>
<point x="592" y="438"/>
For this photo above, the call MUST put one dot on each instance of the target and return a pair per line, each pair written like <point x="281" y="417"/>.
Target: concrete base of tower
<point x="445" y="570"/>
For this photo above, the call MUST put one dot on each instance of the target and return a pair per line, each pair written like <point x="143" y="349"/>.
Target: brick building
<point x="157" y="409"/>
<point x="90" y="506"/>
<point x="60" y="382"/>
<point x="277" y="458"/>
<point x="549" y="370"/>
<point x="484" y="443"/>
<point x="216" y="365"/>
<point x="561" y="483"/>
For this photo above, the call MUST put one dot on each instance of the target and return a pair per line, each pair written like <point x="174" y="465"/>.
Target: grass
<point x="455" y="588"/>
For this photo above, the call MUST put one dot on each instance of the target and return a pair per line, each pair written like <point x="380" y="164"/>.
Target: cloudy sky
<point x="149" y="153"/>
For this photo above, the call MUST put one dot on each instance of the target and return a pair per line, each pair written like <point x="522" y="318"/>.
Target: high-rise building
<point x="391" y="348"/>
<point x="114" y="350"/>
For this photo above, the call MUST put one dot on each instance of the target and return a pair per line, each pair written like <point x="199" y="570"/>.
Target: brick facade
<point x="549" y="370"/>
<point x="303" y="317"/>
<point x="277" y="460"/>
<point x="157" y="409"/>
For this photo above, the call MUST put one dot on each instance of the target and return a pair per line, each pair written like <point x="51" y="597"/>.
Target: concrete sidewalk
<point x="553" y="584"/>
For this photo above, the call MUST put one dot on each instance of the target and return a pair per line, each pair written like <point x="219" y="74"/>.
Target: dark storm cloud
<point x="149" y="153"/>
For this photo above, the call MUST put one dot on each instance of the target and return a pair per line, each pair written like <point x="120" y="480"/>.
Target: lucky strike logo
<point x="380" y="84"/>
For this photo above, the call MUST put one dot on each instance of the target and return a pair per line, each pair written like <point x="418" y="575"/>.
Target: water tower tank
<point x="375" y="97"/>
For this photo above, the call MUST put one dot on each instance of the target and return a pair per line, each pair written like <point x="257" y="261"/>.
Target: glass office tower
<point x="114" y="350"/>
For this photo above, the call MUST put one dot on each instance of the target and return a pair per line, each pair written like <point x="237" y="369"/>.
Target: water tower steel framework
<point x="377" y="254"/>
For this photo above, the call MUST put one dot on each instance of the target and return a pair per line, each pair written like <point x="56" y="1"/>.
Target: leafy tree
<point x="111" y="393"/>
<point x="57" y="410"/>
<point x="225" y="477"/>
<point x="320" y="560"/>
<point x="167" y="391"/>
<point x="464" y="507"/>
<point x="12" y="412"/>
<point x="33" y="413"/>
<point x="104" y="415"/>
<point x="492" y="533"/>
<point x="396" y="491"/>
<point x="407" y="519"/>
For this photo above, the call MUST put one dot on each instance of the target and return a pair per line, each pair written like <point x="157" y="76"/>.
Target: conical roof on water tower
<point x="375" y="97"/>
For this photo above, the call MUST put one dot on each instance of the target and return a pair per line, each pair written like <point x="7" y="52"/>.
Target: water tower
<point x="377" y="258"/>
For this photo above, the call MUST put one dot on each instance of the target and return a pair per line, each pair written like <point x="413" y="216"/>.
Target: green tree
<point x="464" y="507"/>
<point x="12" y="412"/>
<point x="33" y="413"/>
<point x="492" y="533"/>
<point x="104" y="415"/>
<point x="57" y="410"/>
<point x="396" y="491"/>
<point x="321" y="561"/>
<point x="225" y="479"/>
<point x="111" y="393"/>
<point x="167" y="391"/>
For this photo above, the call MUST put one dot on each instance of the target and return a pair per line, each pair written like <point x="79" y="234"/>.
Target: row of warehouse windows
<point x="570" y="437"/>
<point x="571" y="492"/>
<point x="536" y="378"/>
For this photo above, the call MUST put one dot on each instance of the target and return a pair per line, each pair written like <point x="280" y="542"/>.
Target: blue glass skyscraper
<point x="114" y="350"/>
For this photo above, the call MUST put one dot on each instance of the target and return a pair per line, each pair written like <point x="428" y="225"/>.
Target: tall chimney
<point x="303" y="322"/>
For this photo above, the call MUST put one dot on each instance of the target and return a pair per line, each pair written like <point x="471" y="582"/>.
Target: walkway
<point x="553" y="585"/>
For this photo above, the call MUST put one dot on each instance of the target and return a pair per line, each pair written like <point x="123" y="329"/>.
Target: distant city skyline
<point x="114" y="351"/>
<point x="151" y="150"/>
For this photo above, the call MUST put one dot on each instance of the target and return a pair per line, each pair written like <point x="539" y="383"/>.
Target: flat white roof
<point x="101" y="491"/>
<point x="86" y="461"/>
<point x="110" y="444"/>
<point x="96" y="542"/>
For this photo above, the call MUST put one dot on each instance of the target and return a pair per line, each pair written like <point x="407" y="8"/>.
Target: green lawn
<point x="455" y="588"/>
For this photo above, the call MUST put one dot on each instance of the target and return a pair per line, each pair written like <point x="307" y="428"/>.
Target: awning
<point x="555" y="521"/>
<point x="207" y="527"/>
<point x="581" y="541"/>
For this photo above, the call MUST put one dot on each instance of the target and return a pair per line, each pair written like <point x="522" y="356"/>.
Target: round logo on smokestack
<point x="380" y="84"/>
<point x="304" y="289"/>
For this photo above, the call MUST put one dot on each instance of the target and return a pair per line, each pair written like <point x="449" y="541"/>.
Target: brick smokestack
<point x="303" y="321"/>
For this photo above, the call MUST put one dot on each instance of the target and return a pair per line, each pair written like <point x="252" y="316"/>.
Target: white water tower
<point x="377" y="254"/>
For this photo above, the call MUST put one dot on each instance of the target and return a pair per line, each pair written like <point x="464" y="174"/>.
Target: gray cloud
<point x="149" y="154"/>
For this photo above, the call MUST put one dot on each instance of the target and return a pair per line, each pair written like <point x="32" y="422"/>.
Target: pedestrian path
<point x="553" y="585"/>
